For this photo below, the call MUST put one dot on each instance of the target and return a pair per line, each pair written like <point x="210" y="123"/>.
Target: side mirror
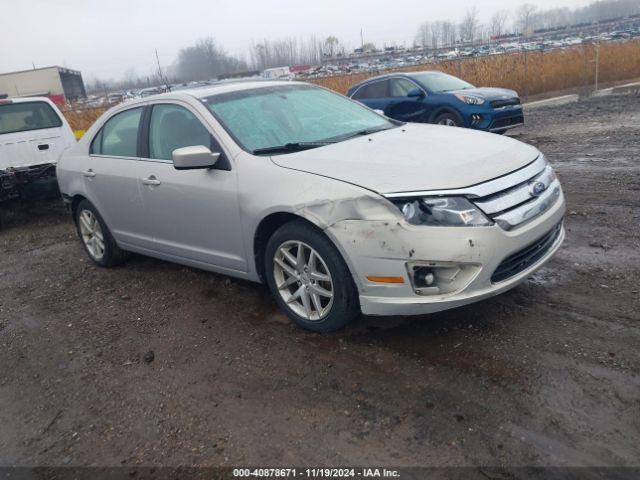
<point x="190" y="158"/>
<point x="415" y="93"/>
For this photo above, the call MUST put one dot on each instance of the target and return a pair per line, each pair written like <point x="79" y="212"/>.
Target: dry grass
<point x="80" y="119"/>
<point x="545" y="72"/>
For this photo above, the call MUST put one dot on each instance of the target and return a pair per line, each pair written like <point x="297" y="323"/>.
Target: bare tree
<point x="331" y="45"/>
<point x="524" y="18"/>
<point x="423" y="35"/>
<point x="448" y="34"/>
<point x="469" y="25"/>
<point x="287" y="51"/>
<point x="498" y="23"/>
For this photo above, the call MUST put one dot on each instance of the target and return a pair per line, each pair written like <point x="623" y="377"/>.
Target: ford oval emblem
<point x="536" y="189"/>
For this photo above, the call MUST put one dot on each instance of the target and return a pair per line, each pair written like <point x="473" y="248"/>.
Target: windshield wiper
<point x="290" y="147"/>
<point x="366" y="131"/>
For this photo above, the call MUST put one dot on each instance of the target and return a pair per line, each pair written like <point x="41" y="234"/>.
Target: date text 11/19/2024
<point x="315" y="473"/>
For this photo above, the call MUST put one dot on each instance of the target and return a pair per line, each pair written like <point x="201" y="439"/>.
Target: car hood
<point x="489" y="93"/>
<point x="414" y="157"/>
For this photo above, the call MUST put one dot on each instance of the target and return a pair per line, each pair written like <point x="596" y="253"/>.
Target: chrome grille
<point x="523" y="201"/>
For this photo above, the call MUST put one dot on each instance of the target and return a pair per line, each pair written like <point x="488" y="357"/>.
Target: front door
<point x="193" y="214"/>
<point x="403" y="107"/>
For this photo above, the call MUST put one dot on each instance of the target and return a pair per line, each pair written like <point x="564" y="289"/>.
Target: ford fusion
<point x="337" y="209"/>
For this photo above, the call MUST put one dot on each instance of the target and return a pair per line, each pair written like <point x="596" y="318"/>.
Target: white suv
<point x="337" y="208"/>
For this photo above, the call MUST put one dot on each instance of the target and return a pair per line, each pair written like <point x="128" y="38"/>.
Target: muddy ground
<point x="547" y="374"/>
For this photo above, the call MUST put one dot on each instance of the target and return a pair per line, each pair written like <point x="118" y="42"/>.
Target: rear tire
<point x="96" y="237"/>
<point x="309" y="279"/>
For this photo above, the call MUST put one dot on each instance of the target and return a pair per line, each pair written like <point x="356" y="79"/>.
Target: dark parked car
<point x="435" y="97"/>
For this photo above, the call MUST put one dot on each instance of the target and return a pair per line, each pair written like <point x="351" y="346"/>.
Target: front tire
<point x="448" y="120"/>
<point x="96" y="237"/>
<point x="309" y="278"/>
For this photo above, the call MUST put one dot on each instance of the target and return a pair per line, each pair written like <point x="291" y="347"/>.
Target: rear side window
<point x="173" y="127"/>
<point x="119" y="136"/>
<point x="373" y="90"/>
<point x="25" y="116"/>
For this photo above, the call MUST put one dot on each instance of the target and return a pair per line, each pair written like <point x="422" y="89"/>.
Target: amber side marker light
<point x="385" y="279"/>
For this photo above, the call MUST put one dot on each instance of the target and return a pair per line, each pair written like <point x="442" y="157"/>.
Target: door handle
<point x="44" y="146"/>
<point x="89" y="173"/>
<point x="151" y="180"/>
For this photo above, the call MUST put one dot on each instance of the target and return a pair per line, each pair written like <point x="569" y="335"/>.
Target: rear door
<point x="31" y="133"/>
<point x="111" y="178"/>
<point x="374" y="95"/>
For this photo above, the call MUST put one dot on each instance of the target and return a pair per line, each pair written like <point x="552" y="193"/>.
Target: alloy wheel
<point x="447" y="122"/>
<point x="91" y="233"/>
<point x="303" y="280"/>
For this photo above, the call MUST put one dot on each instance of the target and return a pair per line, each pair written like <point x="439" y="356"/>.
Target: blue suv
<point x="435" y="97"/>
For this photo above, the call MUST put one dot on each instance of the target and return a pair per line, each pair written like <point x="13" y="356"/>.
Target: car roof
<point x="27" y="99"/>
<point x="223" y="86"/>
<point x="390" y="75"/>
<point x="188" y="94"/>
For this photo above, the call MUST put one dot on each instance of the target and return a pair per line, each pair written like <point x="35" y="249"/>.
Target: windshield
<point x="440" y="82"/>
<point x="263" y="119"/>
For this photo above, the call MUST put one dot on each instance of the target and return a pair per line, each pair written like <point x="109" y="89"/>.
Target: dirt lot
<point x="547" y="374"/>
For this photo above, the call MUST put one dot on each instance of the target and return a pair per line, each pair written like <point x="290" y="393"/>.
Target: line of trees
<point x="524" y="20"/>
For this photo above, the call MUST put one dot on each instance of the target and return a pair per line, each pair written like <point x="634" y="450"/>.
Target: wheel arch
<point x="265" y="229"/>
<point x="443" y="110"/>
<point x="270" y="223"/>
<point x="75" y="201"/>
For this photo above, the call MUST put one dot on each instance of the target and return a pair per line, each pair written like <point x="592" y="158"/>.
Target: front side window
<point x="268" y="117"/>
<point x="400" y="87"/>
<point x="119" y="136"/>
<point x="25" y="116"/>
<point x="173" y="127"/>
<point x="373" y="90"/>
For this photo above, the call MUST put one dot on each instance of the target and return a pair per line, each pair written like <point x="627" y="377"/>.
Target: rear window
<point x="25" y="116"/>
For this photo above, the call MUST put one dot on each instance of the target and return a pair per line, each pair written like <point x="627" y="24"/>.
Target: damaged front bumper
<point x="442" y="267"/>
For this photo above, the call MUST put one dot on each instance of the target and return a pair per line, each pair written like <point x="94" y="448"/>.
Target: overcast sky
<point x="105" y="38"/>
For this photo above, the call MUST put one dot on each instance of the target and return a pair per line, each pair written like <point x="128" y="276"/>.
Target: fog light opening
<point x="423" y="277"/>
<point x="440" y="278"/>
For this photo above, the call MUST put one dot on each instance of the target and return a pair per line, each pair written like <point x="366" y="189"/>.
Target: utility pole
<point x="597" y="55"/>
<point x="162" y="78"/>
<point x="526" y="82"/>
<point x="361" y="40"/>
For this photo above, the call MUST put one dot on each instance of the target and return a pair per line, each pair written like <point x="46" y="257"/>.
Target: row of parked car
<point x="337" y="208"/>
<point x="399" y="58"/>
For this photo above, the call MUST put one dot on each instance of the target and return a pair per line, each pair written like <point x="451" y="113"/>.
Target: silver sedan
<point x="339" y="210"/>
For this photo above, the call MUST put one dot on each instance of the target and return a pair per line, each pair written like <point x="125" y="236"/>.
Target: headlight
<point x="442" y="211"/>
<point x="470" y="99"/>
